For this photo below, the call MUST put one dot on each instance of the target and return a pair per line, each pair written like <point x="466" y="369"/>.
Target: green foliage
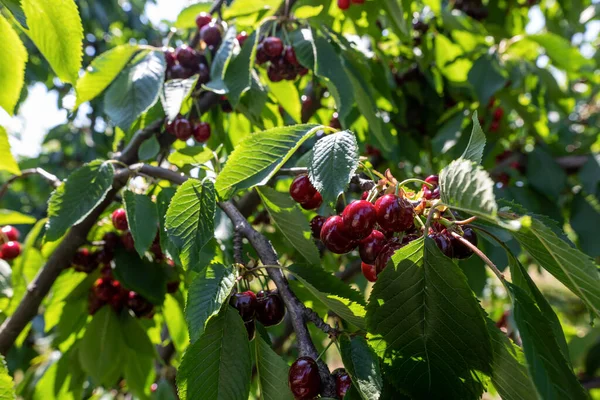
<point x="474" y="150"/>
<point x="272" y="372"/>
<point x="174" y="93"/>
<point x="140" y="275"/>
<point x="12" y="66"/>
<point x="142" y="217"/>
<point x="362" y="364"/>
<point x="218" y="365"/>
<point x="6" y="382"/>
<point x="7" y="162"/>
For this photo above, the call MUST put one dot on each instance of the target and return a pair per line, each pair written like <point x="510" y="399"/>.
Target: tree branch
<point x="27" y="172"/>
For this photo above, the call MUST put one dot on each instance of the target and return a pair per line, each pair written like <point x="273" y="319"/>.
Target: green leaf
<point x="142" y="217"/>
<point x="466" y="186"/>
<point x="290" y="222"/>
<point x="424" y="314"/>
<point x="395" y="12"/>
<point x="174" y="93"/>
<point x="332" y="164"/>
<point x="102" y="71"/>
<point x="329" y="67"/>
<point x="191" y="155"/>
<point x="548" y="368"/>
<point x="10" y="217"/>
<point x="187" y="17"/>
<point x="162" y="205"/>
<point x="56" y="30"/>
<point x="574" y="269"/>
<point x="7" y="390"/>
<point x="190" y="220"/>
<point x="362" y="364"/>
<point x="206" y="295"/>
<point x="304" y="46"/>
<point x="238" y="76"/>
<point x="140" y="275"/>
<point x="102" y="348"/>
<point x="349" y="310"/>
<point x="218" y="365"/>
<point x="486" y="78"/>
<point x="272" y="372"/>
<point x="540" y="166"/>
<point x="561" y="52"/>
<point x="12" y="66"/>
<point x="175" y="320"/>
<point x="474" y="150"/>
<point x="7" y="162"/>
<point x="149" y="149"/>
<point x="258" y="157"/>
<point x="509" y="370"/>
<point x="224" y="54"/>
<point x="5" y="283"/>
<point x="71" y="202"/>
<point x="135" y="89"/>
<point x="288" y="97"/>
<point x="139" y="374"/>
<point x="325" y="282"/>
<point x="247" y="7"/>
<point x="14" y="6"/>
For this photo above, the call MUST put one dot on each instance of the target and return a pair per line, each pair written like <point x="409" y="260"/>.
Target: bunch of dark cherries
<point x="282" y="60"/>
<point x="265" y="307"/>
<point x="305" y="382"/>
<point x="10" y="248"/>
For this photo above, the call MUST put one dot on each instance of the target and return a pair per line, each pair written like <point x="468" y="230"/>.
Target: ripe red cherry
<point x="119" y="219"/>
<point x="182" y="128"/>
<point x="369" y="271"/>
<point x="187" y="56"/>
<point x="202" y="132"/>
<point x="178" y="71"/>
<point x="84" y="260"/>
<point x="170" y="57"/>
<point x="386" y="253"/>
<point x="127" y="240"/>
<point x="498" y="113"/>
<point x="94" y="303"/>
<point x="316" y="224"/>
<point x="394" y="213"/>
<point x="203" y="19"/>
<point x="261" y="56"/>
<point x="304" y="379"/>
<point x="245" y="303"/>
<point x="211" y="34"/>
<point x="138" y="304"/>
<point x="342" y="382"/>
<point x="343" y="4"/>
<point x="111" y="240"/>
<point x="301" y="189"/>
<point x="203" y="73"/>
<point x="313" y="203"/>
<point x="290" y="56"/>
<point x="10" y="250"/>
<point x="272" y="46"/>
<point x="241" y="38"/>
<point x="104" y="256"/>
<point x="433" y="179"/>
<point x="11" y="233"/>
<point x="274" y="73"/>
<point x="494" y="126"/>
<point x="364" y="195"/>
<point x="105" y="289"/>
<point x="335" y="237"/>
<point x="270" y="309"/>
<point x="359" y="218"/>
<point x="334" y="122"/>
<point x="461" y="251"/>
<point x="434" y="192"/>
<point x="370" y="247"/>
<point x="443" y="242"/>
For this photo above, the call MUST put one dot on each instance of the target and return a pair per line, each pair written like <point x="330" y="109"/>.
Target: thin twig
<point x="481" y="255"/>
<point x="313" y="317"/>
<point x="28" y="172"/>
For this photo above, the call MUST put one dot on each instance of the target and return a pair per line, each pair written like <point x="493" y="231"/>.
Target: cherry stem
<point x="483" y="257"/>
<point x="465" y="221"/>
<point x="325" y="349"/>
<point x="430" y="216"/>
<point x="415" y="180"/>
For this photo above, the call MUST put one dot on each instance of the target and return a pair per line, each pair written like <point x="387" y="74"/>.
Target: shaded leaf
<point x="14" y="6"/>
<point x="474" y="150"/>
<point x="142" y="217"/>
<point x="174" y="93"/>
<point x="486" y="78"/>
<point x="362" y="364"/>
<point x="329" y="66"/>
<point x="140" y="275"/>
<point x="187" y="17"/>
<point x="326" y="282"/>
<point x="238" y="76"/>
<point x="272" y="372"/>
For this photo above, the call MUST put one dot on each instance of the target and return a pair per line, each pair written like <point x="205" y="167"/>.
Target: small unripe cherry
<point x="119" y="219"/>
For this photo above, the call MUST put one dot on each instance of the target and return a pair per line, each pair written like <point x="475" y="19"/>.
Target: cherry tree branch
<point x="28" y="172"/>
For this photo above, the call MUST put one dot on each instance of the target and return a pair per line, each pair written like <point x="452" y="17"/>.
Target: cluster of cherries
<point x="345" y="4"/>
<point x="10" y="248"/>
<point x="183" y="129"/>
<point x="265" y="307"/>
<point x="106" y="289"/>
<point x="502" y="174"/>
<point x="497" y="115"/>
<point x="305" y="382"/>
<point x="303" y="192"/>
<point x="282" y="60"/>
<point x="372" y="227"/>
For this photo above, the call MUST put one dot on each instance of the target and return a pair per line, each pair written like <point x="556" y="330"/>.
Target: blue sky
<point x="39" y="113"/>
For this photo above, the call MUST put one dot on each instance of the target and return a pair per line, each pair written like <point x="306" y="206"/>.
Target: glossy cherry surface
<point x="119" y="219"/>
<point x="111" y="240"/>
<point x="211" y="34"/>
<point x="304" y="379"/>
<point x="270" y="309"/>
<point x="245" y="304"/>
<point x="10" y="250"/>
<point x="313" y="203"/>
<point x="182" y="128"/>
<point x="443" y="242"/>
<point x="316" y="224"/>
<point x="335" y="237"/>
<point x="370" y="247"/>
<point x="461" y="251"/>
<point x="394" y="213"/>
<point x="11" y="233"/>
<point x="127" y="241"/>
<point x="272" y="46"/>
<point x="369" y="271"/>
<point x="202" y="132"/>
<point x="386" y="253"/>
<point x="301" y="189"/>
<point x="187" y="56"/>
<point x="203" y="19"/>
<point x="342" y="382"/>
<point x="359" y="218"/>
<point x="343" y="4"/>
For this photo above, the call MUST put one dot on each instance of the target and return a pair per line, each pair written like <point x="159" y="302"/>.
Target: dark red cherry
<point x="409" y="238"/>
<point x="10" y="233"/>
<point x="261" y="56"/>
<point x="433" y="179"/>
<point x="119" y="219"/>
<point x="334" y="122"/>
<point x="211" y="34"/>
<point x="272" y="46"/>
<point x="498" y="113"/>
<point x="358" y="1"/>
<point x="94" y="303"/>
<point x="394" y="213"/>
<point x="173" y="286"/>
<point x="443" y="242"/>
<point x="431" y="194"/>
<point x="170" y="57"/>
<point x="105" y="289"/>
<point x="335" y="237"/>
<point x="342" y="382"/>
<point x="245" y="303"/>
<point x="274" y="73"/>
<point x="203" y="19"/>
<point x="386" y="253"/>
<point x="202" y="132"/>
<point x="290" y="56"/>
<point x="270" y="309"/>
<point x="127" y="240"/>
<point x="313" y="203"/>
<point x="316" y="224"/>
<point x="10" y="250"/>
<point x="369" y="271"/>
<point x="364" y="195"/>
<point x="178" y="71"/>
<point x="241" y="37"/>
<point x="250" y="328"/>
<point x="187" y="56"/>
<point x="138" y="304"/>
<point x="111" y="240"/>
<point x="182" y="128"/>
<point x="203" y="73"/>
<point x="84" y="261"/>
<point x="359" y="218"/>
<point x="301" y="189"/>
<point x="461" y="251"/>
<point x="370" y="247"/>
<point x="304" y="379"/>
<point x="104" y="256"/>
<point x="343" y="4"/>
